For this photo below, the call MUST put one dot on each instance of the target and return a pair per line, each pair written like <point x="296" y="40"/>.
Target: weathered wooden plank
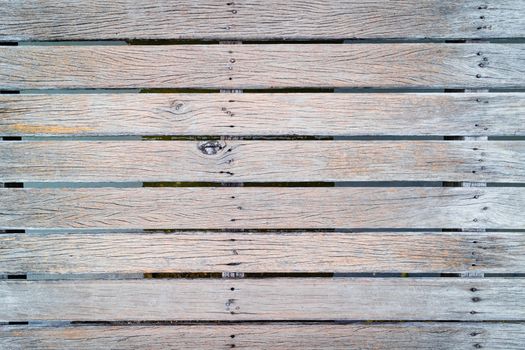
<point x="399" y="336"/>
<point x="252" y="207"/>
<point x="260" y="161"/>
<point x="263" y="114"/>
<point x="263" y="66"/>
<point x="262" y="252"/>
<point x="297" y="19"/>
<point x="265" y="299"/>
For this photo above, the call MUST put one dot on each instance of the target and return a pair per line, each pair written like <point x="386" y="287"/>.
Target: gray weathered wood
<point x="273" y="207"/>
<point x="260" y="161"/>
<point x="271" y="19"/>
<point x="265" y="299"/>
<point x="263" y="114"/>
<point x="263" y="66"/>
<point x="372" y="336"/>
<point x="262" y="252"/>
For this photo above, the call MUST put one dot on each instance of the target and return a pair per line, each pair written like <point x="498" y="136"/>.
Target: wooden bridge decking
<point x="246" y="174"/>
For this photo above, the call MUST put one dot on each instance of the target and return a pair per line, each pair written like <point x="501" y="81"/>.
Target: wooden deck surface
<point x="263" y="208"/>
<point x="265" y="299"/>
<point x="264" y="114"/>
<point x="256" y="66"/>
<point x="370" y="335"/>
<point x="255" y="20"/>
<point x="262" y="161"/>
<point x="248" y="174"/>
<point x="259" y="252"/>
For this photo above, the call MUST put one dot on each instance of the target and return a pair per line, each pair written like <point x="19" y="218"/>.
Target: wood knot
<point x="178" y="107"/>
<point x="211" y="147"/>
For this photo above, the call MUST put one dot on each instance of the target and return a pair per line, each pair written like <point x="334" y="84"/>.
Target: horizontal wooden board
<point x="347" y="114"/>
<point x="265" y="299"/>
<point x="262" y="161"/>
<point x="181" y="252"/>
<point x="272" y="207"/>
<point x="272" y="19"/>
<point x="263" y="66"/>
<point x="397" y="336"/>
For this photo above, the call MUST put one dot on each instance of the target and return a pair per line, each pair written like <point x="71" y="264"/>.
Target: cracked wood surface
<point x="265" y="299"/>
<point x="263" y="208"/>
<point x="254" y="20"/>
<point x="261" y="161"/>
<point x="395" y="252"/>
<point x="437" y="65"/>
<point x="345" y="114"/>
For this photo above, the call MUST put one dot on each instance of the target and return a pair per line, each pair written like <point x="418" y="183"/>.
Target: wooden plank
<point x="330" y="114"/>
<point x="256" y="114"/>
<point x="263" y="66"/>
<point x="265" y="299"/>
<point x="262" y="161"/>
<point x="58" y="253"/>
<point x="245" y="20"/>
<point x="397" y="336"/>
<point x="273" y="207"/>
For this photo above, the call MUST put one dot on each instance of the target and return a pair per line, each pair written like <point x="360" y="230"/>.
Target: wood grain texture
<point x="263" y="114"/>
<point x="265" y="299"/>
<point x="263" y="66"/>
<point x="398" y="336"/>
<point x="330" y="114"/>
<point x="272" y="207"/>
<point x="262" y="161"/>
<point x="250" y="19"/>
<point x="58" y="253"/>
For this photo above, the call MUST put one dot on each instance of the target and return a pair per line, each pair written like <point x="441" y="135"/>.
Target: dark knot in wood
<point x="178" y="107"/>
<point x="211" y="147"/>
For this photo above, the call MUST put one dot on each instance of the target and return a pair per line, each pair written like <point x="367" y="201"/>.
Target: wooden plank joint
<point x="472" y="274"/>
<point x="233" y="275"/>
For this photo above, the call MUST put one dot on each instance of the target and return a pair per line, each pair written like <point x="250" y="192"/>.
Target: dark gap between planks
<point x="228" y="323"/>
<point x="290" y="137"/>
<point x="248" y="275"/>
<point x="174" y="184"/>
<point x="298" y="322"/>
<point x="276" y="40"/>
<point x="237" y="230"/>
<point x="289" y="89"/>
